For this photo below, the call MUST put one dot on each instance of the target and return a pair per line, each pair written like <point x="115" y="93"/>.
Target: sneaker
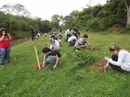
<point x="77" y="50"/>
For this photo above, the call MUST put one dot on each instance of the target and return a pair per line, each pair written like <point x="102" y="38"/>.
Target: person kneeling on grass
<point x="51" y="57"/>
<point x="120" y="59"/>
<point x="80" y="43"/>
<point x="54" y="44"/>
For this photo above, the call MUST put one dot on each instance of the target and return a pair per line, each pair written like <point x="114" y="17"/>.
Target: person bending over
<point x="120" y="59"/>
<point x="80" y="43"/>
<point x="51" y="57"/>
<point x="72" y="40"/>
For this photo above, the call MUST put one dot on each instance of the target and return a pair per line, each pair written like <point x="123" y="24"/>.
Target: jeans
<point x="4" y="54"/>
<point x="51" y="61"/>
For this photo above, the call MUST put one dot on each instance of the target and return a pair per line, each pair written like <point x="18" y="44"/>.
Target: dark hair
<point x="46" y="49"/>
<point x="114" y="47"/>
<point x="53" y="36"/>
<point x="85" y="36"/>
<point x="3" y="29"/>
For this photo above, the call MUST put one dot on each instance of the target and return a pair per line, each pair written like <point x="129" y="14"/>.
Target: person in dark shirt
<point x="51" y="57"/>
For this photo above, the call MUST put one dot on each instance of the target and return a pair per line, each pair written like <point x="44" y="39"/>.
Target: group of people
<point x="120" y="59"/>
<point x="52" y="54"/>
<point x="72" y="36"/>
<point x="35" y="35"/>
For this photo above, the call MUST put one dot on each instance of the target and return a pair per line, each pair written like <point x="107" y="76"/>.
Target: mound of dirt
<point x="101" y="62"/>
<point x="41" y="63"/>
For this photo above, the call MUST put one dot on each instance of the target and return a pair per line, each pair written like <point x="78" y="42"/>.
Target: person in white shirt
<point x="72" y="40"/>
<point x="54" y="44"/>
<point x="120" y="59"/>
<point x="68" y="34"/>
<point x="80" y="43"/>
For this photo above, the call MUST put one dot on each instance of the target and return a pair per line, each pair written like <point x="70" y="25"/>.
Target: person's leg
<point x="50" y="61"/>
<point x="115" y="58"/>
<point x="2" y="51"/>
<point x="8" y="54"/>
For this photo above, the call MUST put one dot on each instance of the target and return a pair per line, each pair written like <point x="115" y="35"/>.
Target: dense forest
<point x="113" y="14"/>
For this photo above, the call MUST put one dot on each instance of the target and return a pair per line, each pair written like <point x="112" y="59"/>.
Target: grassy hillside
<point x="74" y="77"/>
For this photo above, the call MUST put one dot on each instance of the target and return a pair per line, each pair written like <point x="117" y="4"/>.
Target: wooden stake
<point x="39" y="67"/>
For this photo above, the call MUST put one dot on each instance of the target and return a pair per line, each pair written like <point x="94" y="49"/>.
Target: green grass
<point x="70" y="79"/>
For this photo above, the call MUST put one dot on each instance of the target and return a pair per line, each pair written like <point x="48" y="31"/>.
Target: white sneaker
<point x="105" y="66"/>
<point x="77" y="50"/>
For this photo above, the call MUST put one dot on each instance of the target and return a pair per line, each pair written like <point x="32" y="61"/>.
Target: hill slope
<point x="20" y="79"/>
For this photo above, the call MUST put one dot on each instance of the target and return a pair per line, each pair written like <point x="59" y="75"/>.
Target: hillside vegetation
<point x="110" y="16"/>
<point x="76" y="76"/>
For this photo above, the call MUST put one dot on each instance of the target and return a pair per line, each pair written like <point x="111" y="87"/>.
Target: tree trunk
<point x="128" y="18"/>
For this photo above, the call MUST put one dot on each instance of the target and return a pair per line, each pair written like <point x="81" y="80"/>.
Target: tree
<point x="128" y="15"/>
<point x="7" y="9"/>
<point x="56" y="20"/>
<point x="20" y="10"/>
<point x="16" y="9"/>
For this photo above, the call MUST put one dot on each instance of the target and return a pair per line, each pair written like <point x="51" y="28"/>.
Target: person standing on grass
<point x="80" y="43"/>
<point x="120" y="59"/>
<point x="51" y="57"/>
<point x="5" y="44"/>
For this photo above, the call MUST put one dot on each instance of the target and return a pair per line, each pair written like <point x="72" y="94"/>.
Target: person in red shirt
<point x="4" y="46"/>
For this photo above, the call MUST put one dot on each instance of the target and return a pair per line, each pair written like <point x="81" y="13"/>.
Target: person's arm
<point x="82" y="46"/>
<point x="3" y="37"/>
<point x="121" y="56"/>
<point x="9" y="36"/>
<point x="44" y="59"/>
<point x="57" y="61"/>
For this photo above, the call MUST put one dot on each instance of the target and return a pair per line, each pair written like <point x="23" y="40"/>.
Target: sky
<point x="45" y="9"/>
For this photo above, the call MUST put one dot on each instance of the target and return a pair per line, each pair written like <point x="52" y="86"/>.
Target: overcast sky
<point x="45" y="9"/>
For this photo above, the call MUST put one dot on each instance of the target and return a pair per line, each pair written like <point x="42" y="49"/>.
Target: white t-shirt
<point x="55" y="45"/>
<point x="67" y="32"/>
<point x="72" y="38"/>
<point x="123" y="60"/>
<point x="79" y="43"/>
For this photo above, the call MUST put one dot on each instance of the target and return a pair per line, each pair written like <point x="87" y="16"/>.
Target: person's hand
<point x="3" y="33"/>
<point x="106" y="58"/>
<point x="43" y="64"/>
<point x="8" y="34"/>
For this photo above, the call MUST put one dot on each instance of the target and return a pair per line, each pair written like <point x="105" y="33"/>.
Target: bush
<point x="84" y="58"/>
